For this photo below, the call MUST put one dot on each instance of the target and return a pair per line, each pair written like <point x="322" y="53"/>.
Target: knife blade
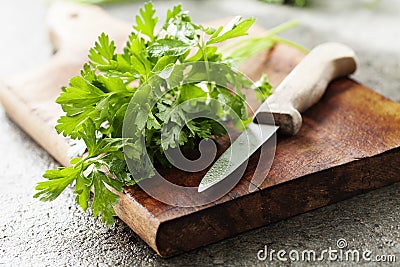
<point x="301" y="89"/>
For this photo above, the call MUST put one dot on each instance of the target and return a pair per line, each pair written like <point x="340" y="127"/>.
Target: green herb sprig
<point x="96" y="101"/>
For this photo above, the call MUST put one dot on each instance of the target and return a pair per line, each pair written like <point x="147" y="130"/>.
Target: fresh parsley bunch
<point x="96" y="101"/>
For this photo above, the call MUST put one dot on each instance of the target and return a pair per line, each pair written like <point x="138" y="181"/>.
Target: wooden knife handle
<point x="305" y="85"/>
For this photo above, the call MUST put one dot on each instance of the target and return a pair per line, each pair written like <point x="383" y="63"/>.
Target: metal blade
<point x="244" y="146"/>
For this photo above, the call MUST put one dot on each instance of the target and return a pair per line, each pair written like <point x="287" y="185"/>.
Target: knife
<point x="301" y="89"/>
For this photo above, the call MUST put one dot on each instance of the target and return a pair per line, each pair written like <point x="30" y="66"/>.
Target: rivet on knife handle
<point x="305" y="85"/>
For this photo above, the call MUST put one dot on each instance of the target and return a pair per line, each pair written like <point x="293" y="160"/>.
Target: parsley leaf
<point x="103" y="51"/>
<point x="146" y="22"/>
<point x="235" y="28"/>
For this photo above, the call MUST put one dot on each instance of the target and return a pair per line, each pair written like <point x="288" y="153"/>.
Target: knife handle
<point x="305" y="85"/>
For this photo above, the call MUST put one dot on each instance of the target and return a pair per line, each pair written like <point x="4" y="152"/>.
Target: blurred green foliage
<point x="299" y="3"/>
<point x="95" y="2"/>
<point x="302" y="3"/>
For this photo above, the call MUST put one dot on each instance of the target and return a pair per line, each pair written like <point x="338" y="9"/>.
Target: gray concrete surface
<point x="60" y="234"/>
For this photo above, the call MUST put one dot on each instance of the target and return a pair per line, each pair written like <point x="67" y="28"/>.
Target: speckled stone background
<point x="60" y="234"/>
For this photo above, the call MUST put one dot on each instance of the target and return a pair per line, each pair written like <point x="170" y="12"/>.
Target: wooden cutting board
<point x="349" y="143"/>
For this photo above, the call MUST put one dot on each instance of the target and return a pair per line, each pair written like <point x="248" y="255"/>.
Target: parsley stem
<point x="248" y="44"/>
<point x="282" y="28"/>
<point x="203" y="49"/>
<point x="290" y="43"/>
